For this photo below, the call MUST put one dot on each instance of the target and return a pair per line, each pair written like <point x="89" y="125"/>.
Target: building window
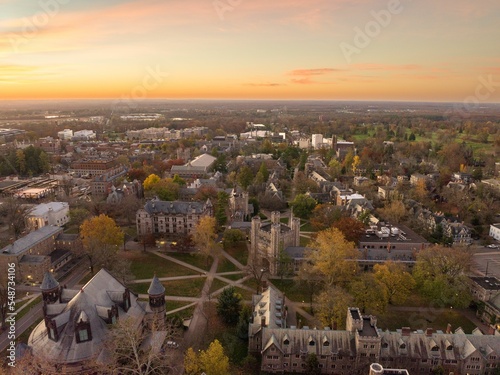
<point x="83" y="335"/>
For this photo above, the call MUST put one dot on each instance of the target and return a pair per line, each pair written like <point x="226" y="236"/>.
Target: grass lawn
<point x="145" y="265"/>
<point x="234" y="277"/>
<point x="72" y="230"/>
<point x="306" y="226"/>
<point x="245" y="294"/>
<point x="294" y="291"/>
<point x="239" y="251"/>
<point x="27" y="307"/>
<point x="396" y="319"/>
<point x="216" y="285"/>
<point x="26" y="334"/>
<point x="304" y="241"/>
<point x="173" y="305"/>
<point x="178" y="288"/>
<point x="284" y="220"/>
<point x="184" y="288"/>
<point x="193" y="259"/>
<point x="184" y="314"/>
<point x="226" y="266"/>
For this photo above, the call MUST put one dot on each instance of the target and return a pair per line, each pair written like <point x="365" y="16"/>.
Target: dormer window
<point x="311" y="343"/>
<point x="83" y="333"/>
<point x="435" y="348"/>
<point x="385" y="345"/>
<point x="402" y="346"/>
<point x="326" y="343"/>
<point x="286" y="342"/>
<point x="52" y="332"/>
<point x="449" y="347"/>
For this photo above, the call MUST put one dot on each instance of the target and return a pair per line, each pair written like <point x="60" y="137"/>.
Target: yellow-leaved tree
<point x="101" y="238"/>
<point x="204" y="237"/>
<point x="212" y="361"/>
<point x="397" y="281"/>
<point x="333" y="257"/>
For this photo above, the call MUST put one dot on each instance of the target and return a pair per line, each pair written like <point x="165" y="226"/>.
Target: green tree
<point x="398" y="283"/>
<point x="441" y="275"/>
<point x="78" y="215"/>
<point x="179" y="180"/>
<point x="229" y="305"/>
<point x="312" y="365"/>
<point x="243" y="321"/>
<point x="21" y="161"/>
<point x="303" y="205"/>
<point x="101" y="238"/>
<point x="220" y="208"/>
<point x="245" y="177"/>
<point x="232" y="237"/>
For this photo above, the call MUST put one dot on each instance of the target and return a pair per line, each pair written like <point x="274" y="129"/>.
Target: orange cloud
<point x="389" y="67"/>
<point x="264" y="84"/>
<point x="312" y="72"/>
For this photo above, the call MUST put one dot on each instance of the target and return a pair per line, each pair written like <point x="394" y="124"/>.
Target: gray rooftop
<point x="49" y="282"/>
<point x="25" y="243"/>
<point x="156" y="288"/>
<point x="93" y="301"/>
<point x="174" y="207"/>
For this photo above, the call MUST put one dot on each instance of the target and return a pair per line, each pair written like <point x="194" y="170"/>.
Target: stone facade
<point x="352" y="351"/>
<point x="267" y="240"/>
<point x="174" y="218"/>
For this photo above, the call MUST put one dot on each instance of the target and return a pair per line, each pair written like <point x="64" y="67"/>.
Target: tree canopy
<point x="441" y="275"/>
<point x="229" y="305"/>
<point x="101" y="238"/>
<point x="333" y="257"/>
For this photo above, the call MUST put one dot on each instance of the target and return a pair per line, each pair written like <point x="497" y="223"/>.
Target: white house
<point x="495" y="231"/>
<point x="53" y="213"/>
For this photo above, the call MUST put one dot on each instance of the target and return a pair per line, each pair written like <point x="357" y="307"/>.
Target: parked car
<point x="172" y="345"/>
<point x="492" y="246"/>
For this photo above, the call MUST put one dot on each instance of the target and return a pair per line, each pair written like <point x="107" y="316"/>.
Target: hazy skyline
<point x="241" y="49"/>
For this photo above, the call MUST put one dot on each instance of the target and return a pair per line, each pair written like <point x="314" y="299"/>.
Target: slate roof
<point x="174" y="207"/>
<point x="31" y="239"/>
<point x="49" y="282"/>
<point x="156" y="288"/>
<point x="102" y="292"/>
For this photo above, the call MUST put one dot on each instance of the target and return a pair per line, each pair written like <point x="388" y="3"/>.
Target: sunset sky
<point x="422" y="50"/>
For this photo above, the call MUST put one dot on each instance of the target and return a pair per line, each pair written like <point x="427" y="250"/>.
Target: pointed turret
<point x="50" y="288"/>
<point x="156" y="293"/>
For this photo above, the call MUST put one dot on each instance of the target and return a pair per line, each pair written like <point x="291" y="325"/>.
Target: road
<point x="36" y="312"/>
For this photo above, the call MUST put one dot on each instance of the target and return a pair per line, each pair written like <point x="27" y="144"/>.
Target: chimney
<point x="428" y="332"/>
<point x="263" y="321"/>
<point x="406" y="331"/>
<point x="448" y="329"/>
<point x="264" y="285"/>
<point x="373" y="320"/>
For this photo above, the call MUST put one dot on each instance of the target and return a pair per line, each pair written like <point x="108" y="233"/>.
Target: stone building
<point x="38" y="252"/>
<point x="238" y="204"/>
<point x="268" y="239"/>
<point x="52" y="213"/>
<point x="285" y="349"/>
<point x="173" y="218"/>
<point x="76" y="323"/>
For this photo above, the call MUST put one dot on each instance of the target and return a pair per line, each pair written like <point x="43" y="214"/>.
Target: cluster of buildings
<point x="285" y="349"/>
